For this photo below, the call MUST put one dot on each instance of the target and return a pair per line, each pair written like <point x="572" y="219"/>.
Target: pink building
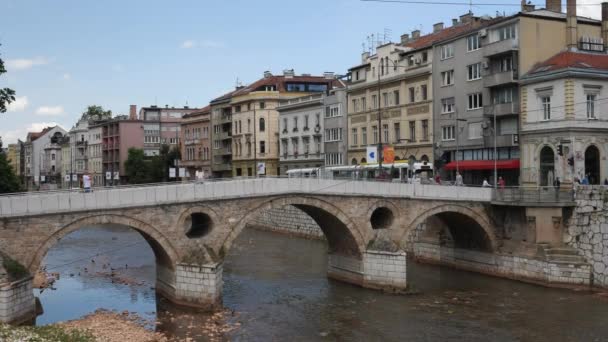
<point x="195" y="143"/>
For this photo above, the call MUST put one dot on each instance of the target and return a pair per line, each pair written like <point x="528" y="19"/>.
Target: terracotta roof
<point x="452" y="32"/>
<point x="570" y="59"/>
<point x="280" y="81"/>
<point x="224" y="97"/>
<point x="203" y="111"/>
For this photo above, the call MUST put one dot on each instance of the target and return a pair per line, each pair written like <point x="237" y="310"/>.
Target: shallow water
<point x="278" y="289"/>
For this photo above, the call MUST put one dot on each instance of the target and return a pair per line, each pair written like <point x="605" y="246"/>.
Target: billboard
<point x="389" y="154"/>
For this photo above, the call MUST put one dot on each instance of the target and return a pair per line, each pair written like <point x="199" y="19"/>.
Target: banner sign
<point x="389" y="154"/>
<point x="371" y="155"/>
<point x="261" y="168"/>
<point x="172" y="172"/>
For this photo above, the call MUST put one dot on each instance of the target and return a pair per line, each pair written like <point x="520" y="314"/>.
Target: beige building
<point x="14" y="157"/>
<point x="195" y="144"/>
<point x="95" y="155"/>
<point x="395" y="81"/>
<point x="255" y="119"/>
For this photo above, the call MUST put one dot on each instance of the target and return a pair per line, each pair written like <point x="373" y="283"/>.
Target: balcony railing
<point x="500" y="47"/>
<point x="524" y="196"/>
<point x="499" y="78"/>
<point x="502" y="109"/>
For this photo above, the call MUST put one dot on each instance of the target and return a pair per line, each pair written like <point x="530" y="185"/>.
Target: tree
<point x="8" y="180"/>
<point x="160" y="164"/>
<point x="97" y="113"/>
<point x="7" y="95"/>
<point x="136" y="166"/>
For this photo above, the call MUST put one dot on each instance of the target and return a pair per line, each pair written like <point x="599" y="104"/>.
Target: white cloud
<point x="49" y="111"/>
<point x="589" y="8"/>
<point x="11" y="136"/>
<point x="67" y="76"/>
<point x="18" y="105"/>
<point x="24" y="63"/>
<point x="188" y="44"/>
<point x="118" y="68"/>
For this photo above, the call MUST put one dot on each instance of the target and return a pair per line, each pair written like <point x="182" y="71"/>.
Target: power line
<point x="458" y="3"/>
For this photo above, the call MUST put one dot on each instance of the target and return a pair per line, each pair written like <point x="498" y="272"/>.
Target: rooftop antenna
<point x="387" y="35"/>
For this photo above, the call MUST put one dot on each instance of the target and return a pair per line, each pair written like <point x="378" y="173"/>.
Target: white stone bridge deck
<point x="35" y="203"/>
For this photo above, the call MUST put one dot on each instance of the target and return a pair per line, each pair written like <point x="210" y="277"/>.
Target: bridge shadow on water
<point x="276" y="288"/>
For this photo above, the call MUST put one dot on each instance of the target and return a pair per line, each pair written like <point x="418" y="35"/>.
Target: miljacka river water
<point x="275" y="287"/>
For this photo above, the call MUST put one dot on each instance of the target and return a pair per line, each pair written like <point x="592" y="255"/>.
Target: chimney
<point x="288" y="73"/>
<point x="437" y="27"/>
<point x="605" y="24"/>
<point x="454" y="22"/>
<point x="364" y="57"/>
<point x="465" y="18"/>
<point x="267" y="74"/>
<point x="527" y="7"/>
<point x="328" y="75"/>
<point x="416" y="34"/>
<point x="133" y="112"/>
<point x="405" y="38"/>
<point x="554" y="5"/>
<point x="571" y="32"/>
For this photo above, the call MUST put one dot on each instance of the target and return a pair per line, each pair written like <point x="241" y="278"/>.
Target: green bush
<point x="14" y="269"/>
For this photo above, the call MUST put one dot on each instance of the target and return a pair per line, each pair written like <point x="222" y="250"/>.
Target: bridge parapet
<point x="36" y="203"/>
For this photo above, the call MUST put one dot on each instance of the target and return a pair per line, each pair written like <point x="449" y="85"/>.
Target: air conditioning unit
<point x="483" y="33"/>
<point x="515" y="139"/>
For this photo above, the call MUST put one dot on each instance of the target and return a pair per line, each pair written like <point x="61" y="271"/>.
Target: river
<point x="276" y="288"/>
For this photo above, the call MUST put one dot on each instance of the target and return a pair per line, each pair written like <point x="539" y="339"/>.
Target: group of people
<point x="501" y="183"/>
<point x="587" y="180"/>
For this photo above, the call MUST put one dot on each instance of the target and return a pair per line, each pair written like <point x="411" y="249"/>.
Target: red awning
<point x="483" y="165"/>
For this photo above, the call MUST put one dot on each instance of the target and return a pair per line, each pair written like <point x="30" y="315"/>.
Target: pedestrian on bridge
<point x="485" y="184"/>
<point x="459" y="179"/>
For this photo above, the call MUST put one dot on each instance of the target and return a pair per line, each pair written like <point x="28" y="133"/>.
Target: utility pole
<point x="495" y="150"/>
<point x="457" y="134"/>
<point x="379" y="154"/>
<point x="255" y="146"/>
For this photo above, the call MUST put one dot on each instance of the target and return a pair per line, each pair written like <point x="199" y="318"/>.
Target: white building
<point x="34" y="154"/>
<point x="95" y="155"/>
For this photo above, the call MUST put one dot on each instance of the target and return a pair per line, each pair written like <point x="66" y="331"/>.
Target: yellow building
<point x="255" y="119"/>
<point x="13" y="156"/>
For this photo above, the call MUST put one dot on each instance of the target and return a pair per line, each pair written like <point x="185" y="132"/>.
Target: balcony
<point x="223" y="136"/>
<point x="502" y="109"/>
<point x="500" y="47"/>
<point x="505" y="140"/>
<point x="499" y="78"/>
<point x="222" y="151"/>
<point x="222" y="167"/>
<point x="192" y="141"/>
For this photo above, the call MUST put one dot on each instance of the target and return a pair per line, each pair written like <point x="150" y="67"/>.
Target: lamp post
<point x="255" y="146"/>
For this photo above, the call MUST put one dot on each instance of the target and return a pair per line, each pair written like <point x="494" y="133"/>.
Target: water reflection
<point x="275" y="288"/>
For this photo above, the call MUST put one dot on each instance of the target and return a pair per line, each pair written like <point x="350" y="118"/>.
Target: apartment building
<point x="15" y="155"/>
<point x="255" y="119"/>
<point x="335" y="120"/>
<point x="79" y="140"/>
<point x="196" y="144"/>
<point x="221" y="136"/>
<point x="563" y="109"/>
<point x="50" y="174"/>
<point x="34" y="154"/>
<point x="95" y="155"/>
<point x="161" y="126"/>
<point x="477" y="90"/>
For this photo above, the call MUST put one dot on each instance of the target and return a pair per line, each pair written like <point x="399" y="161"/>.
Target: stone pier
<point x="17" y="301"/>
<point x="198" y="286"/>
<point x="378" y="270"/>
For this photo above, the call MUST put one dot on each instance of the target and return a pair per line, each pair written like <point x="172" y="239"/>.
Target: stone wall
<point x="289" y="220"/>
<point x="509" y="266"/>
<point x="199" y="285"/>
<point x="17" y="301"/>
<point x="385" y="270"/>
<point x="587" y="230"/>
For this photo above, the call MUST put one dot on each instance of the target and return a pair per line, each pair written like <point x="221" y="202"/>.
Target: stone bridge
<point x="191" y="227"/>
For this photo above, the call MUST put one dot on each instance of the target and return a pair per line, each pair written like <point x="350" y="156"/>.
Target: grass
<point x="45" y="333"/>
<point x="14" y="269"/>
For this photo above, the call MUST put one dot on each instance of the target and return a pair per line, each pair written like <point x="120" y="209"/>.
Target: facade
<point x="390" y="100"/>
<point x="66" y="163"/>
<point x="50" y="175"/>
<point x="334" y="118"/>
<point x="95" y="156"/>
<point x="196" y="144"/>
<point x="79" y="140"/>
<point x="34" y="154"/>
<point x="477" y="89"/>
<point x="14" y="152"/>
<point x="255" y="119"/>
<point x="221" y="136"/>
<point x="161" y="126"/>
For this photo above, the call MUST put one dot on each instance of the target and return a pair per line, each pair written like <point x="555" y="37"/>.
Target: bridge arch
<point x="463" y="222"/>
<point x="165" y="252"/>
<point x="343" y="235"/>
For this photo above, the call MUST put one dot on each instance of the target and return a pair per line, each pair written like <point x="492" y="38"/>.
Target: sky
<point x="64" y="55"/>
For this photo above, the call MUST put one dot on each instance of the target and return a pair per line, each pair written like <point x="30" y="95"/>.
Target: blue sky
<point x="64" y="55"/>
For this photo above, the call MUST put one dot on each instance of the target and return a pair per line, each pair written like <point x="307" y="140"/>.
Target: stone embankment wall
<point x="289" y="220"/>
<point x="587" y="230"/>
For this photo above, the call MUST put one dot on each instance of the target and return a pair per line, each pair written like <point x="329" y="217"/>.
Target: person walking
<point x="585" y="180"/>
<point x="459" y="179"/>
<point x="501" y="183"/>
<point x="438" y="179"/>
<point x="485" y="184"/>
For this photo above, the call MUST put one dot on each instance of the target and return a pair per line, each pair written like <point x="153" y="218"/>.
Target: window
<point x="375" y="134"/>
<point x="331" y="112"/>
<point x="295" y="123"/>
<point x="474" y="72"/>
<point x="590" y="107"/>
<point x="363" y="104"/>
<point x="397" y="128"/>
<point x="425" y="130"/>
<point x="262" y="105"/>
<point x="447" y="105"/>
<point x="333" y="134"/>
<point x="503" y="95"/>
<point x="412" y="131"/>
<point x="447" y="78"/>
<point x="410" y="60"/>
<point x="412" y="93"/>
<point x="237" y="109"/>
<point x="374" y="101"/>
<point x="385" y="99"/>
<point x="505" y="64"/>
<point x="249" y="106"/>
<point x="475" y="131"/>
<point x="448" y="133"/>
<point x="306" y="122"/>
<point x="262" y="125"/>
<point x="306" y="143"/>
<point x="333" y="158"/>
<point x="475" y="101"/>
<point x="506" y="32"/>
<point x="423" y="90"/>
<point x="357" y="75"/>
<point x="425" y="57"/>
<point x="53" y="155"/>
<point x="285" y="125"/>
<point x="355" y="136"/>
<point x="546" y="106"/>
<point x="382" y="66"/>
<point x="363" y="135"/>
<point x="396" y="97"/>
<point x="262" y="146"/>
<point x="508" y="126"/>
<point x="385" y="132"/>
<point x="473" y="42"/>
<point x="354" y="105"/>
<point x="447" y="51"/>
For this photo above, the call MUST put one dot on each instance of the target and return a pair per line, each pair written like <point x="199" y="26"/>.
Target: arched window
<point x="363" y="160"/>
<point x="424" y="158"/>
<point x="592" y="164"/>
<point x="382" y="66"/>
<point x="387" y="66"/>
<point x="353" y="161"/>
<point x="262" y="125"/>
<point x="547" y="166"/>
